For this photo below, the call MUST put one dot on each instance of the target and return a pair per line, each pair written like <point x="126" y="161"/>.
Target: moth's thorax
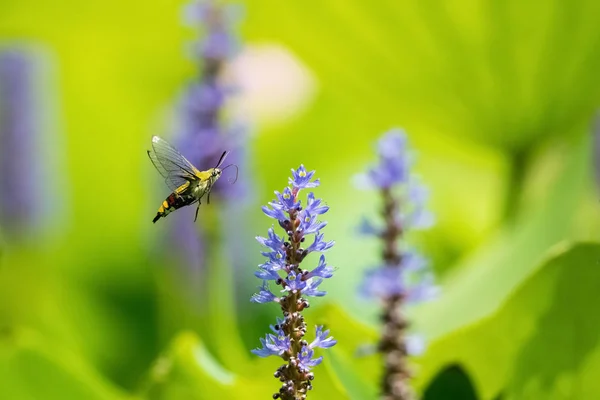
<point x="199" y="186"/>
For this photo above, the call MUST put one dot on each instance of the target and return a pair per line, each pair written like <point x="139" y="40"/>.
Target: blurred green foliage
<point x="497" y="98"/>
<point x="451" y="383"/>
<point x="541" y="343"/>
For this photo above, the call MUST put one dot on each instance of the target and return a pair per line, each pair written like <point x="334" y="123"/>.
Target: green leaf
<point x="479" y="69"/>
<point x="351" y="375"/>
<point x="451" y="384"/>
<point x="359" y="375"/>
<point x="562" y="356"/>
<point x="479" y="286"/>
<point x="544" y="341"/>
<point x="33" y="368"/>
<point x="188" y="370"/>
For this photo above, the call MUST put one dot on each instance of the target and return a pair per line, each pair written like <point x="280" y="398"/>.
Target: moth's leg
<point x="197" y="209"/>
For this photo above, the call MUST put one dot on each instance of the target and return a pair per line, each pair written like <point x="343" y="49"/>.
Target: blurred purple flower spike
<point x="201" y="132"/>
<point x="18" y="135"/>
<point x="404" y="276"/>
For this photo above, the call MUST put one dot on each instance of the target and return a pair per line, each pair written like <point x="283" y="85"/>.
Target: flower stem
<point x="396" y="376"/>
<point x="294" y="325"/>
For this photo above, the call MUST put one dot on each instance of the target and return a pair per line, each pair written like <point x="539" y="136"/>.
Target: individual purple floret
<point x="322" y="339"/>
<point x="264" y="295"/>
<point x="322" y="270"/>
<point x="403" y="276"/>
<point x="301" y="179"/>
<point x="284" y="258"/>
<point x="306" y="360"/>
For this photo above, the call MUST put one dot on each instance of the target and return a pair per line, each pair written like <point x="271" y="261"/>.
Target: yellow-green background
<point x="498" y="98"/>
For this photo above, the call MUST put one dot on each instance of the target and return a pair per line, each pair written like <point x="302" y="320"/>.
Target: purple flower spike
<point x="19" y="190"/>
<point x="202" y="133"/>
<point x="201" y="129"/>
<point x="284" y="266"/>
<point x="403" y="276"/>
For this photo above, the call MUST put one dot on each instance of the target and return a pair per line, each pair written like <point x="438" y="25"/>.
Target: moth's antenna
<point x="236" y="172"/>
<point x="222" y="159"/>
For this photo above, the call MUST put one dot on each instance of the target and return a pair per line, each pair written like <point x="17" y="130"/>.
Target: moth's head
<point x="216" y="173"/>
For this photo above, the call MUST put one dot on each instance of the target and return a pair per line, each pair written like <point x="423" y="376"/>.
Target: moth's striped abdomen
<point x="171" y="203"/>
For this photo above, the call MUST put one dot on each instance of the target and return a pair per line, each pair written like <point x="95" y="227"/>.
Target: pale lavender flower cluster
<point x="403" y="275"/>
<point x="18" y="135"/>
<point x="409" y="276"/>
<point x="202" y="133"/>
<point x="282" y="266"/>
<point x="413" y="281"/>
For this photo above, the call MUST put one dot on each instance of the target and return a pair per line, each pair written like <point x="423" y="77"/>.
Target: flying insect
<point x="188" y="183"/>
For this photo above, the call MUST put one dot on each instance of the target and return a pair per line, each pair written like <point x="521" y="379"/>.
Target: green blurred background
<point x="498" y="98"/>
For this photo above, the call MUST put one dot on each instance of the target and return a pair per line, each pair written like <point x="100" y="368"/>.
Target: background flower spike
<point x="403" y="276"/>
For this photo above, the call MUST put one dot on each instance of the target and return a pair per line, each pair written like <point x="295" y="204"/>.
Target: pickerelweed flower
<point x="403" y="276"/>
<point x="18" y="136"/>
<point x="202" y="132"/>
<point x="284" y="258"/>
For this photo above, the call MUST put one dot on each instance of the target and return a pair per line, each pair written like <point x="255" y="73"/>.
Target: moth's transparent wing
<point x="173" y="181"/>
<point x="171" y="164"/>
<point x="170" y="158"/>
